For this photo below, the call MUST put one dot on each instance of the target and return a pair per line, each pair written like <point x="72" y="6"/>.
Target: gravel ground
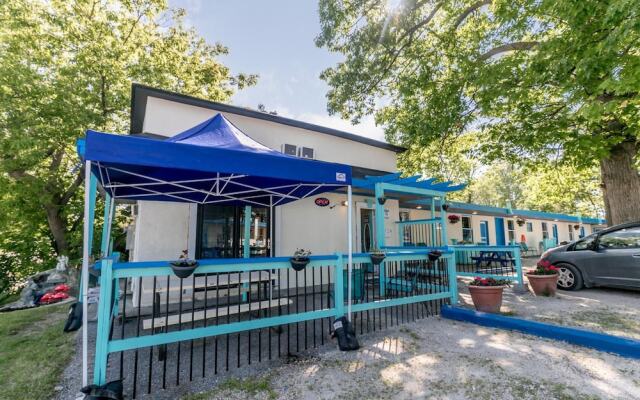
<point x="612" y="311"/>
<point x="442" y="359"/>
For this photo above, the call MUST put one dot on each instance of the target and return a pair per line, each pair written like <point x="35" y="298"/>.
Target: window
<point x="529" y="226"/>
<point x="484" y="232"/>
<point x="467" y="232"/>
<point x="220" y="232"/>
<point x="585" y="243"/>
<point x="621" y="239"/>
<point x="511" y="231"/>
<point x="545" y="231"/>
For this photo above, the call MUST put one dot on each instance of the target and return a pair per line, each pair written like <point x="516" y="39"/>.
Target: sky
<point x="274" y="39"/>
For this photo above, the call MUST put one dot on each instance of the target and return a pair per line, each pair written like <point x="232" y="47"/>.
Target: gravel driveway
<point x="442" y="359"/>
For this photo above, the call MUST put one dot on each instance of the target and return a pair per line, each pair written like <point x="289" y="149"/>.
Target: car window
<point x="621" y="239"/>
<point x="585" y="243"/>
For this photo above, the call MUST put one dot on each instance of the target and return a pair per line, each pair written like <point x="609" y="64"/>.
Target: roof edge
<point x="140" y="93"/>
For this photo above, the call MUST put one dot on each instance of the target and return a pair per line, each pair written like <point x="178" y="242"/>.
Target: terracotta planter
<point x="487" y="298"/>
<point x="543" y="285"/>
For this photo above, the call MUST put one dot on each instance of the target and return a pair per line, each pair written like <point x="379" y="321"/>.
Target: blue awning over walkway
<point x="213" y="162"/>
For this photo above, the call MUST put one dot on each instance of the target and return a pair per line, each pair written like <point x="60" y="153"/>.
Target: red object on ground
<point x="523" y="238"/>
<point x="62" y="288"/>
<point x="51" y="297"/>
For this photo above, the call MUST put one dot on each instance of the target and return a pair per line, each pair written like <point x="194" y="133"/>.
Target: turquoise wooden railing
<point x="406" y="277"/>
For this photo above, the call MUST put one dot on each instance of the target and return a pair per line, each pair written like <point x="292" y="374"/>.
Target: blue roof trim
<point x="526" y="213"/>
<point x="415" y="181"/>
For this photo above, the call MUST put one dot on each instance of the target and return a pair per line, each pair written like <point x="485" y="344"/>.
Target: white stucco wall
<point x="167" y="118"/>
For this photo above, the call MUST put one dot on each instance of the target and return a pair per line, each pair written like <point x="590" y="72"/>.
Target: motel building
<point x="241" y="191"/>
<point x="164" y="229"/>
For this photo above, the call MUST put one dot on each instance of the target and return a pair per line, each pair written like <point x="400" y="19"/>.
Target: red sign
<point x="322" y="202"/>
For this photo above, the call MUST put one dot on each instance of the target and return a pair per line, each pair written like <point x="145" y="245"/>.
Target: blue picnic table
<point x="493" y="257"/>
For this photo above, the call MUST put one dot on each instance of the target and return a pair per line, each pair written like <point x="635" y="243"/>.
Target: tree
<point x="66" y="66"/>
<point x="543" y="80"/>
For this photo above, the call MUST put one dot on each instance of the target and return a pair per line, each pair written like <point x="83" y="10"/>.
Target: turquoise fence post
<point x="453" y="277"/>
<point x="106" y="226"/>
<point x="379" y="190"/>
<point x="338" y="287"/>
<point x="518" y="259"/>
<point x="443" y="222"/>
<point x="104" y="322"/>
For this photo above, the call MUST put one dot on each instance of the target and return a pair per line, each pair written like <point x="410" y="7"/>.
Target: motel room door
<point x="499" y="232"/>
<point x="365" y="227"/>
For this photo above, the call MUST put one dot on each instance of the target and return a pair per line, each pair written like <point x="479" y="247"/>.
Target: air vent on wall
<point x="306" y="152"/>
<point x="290" y="149"/>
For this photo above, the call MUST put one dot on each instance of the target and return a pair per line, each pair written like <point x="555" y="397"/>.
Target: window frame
<point x="469" y="229"/>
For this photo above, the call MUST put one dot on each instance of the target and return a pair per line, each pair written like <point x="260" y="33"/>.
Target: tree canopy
<point x="548" y="80"/>
<point x="66" y="66"/>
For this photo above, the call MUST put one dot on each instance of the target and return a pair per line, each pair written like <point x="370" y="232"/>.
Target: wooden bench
<point x="175" y="319"/>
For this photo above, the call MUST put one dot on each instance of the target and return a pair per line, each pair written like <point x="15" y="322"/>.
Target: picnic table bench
<point x="493" y="259"/>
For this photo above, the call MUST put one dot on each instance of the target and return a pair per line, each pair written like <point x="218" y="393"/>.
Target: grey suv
<point x="610" y="257"/>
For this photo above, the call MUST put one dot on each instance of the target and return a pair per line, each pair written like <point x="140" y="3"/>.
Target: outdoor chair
<point x="525" y="249"/>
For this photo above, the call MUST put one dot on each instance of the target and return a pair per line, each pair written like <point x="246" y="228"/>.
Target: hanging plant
<point x="377" y="256"/>
<point x="576" y="227"/>
<point x="520" y="221"/>
<point x="445" y="207"/>
<point x="453" y="218"/>
<point x="300" y="259"/>
<point x="183" y="267"/>
<point x="382" y="200"/>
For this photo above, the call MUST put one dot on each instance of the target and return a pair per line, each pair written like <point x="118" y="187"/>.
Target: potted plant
<point x="576" y="227"/>
<point x="520" y="221"/>
<point x="543" y="279"/>
<point x="434" y="255"/>
<point x="486" y="293"/>
<point x="184" y="266"/>
<point x="377" y="256"/>
<point x="300" y="259"/>
<point x="382" y="200"/>
<point x="445" y="207"/>
<point x="453" y="218"/>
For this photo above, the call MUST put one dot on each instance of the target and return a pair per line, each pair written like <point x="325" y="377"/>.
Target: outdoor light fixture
<point x="475" y="213"/>
<point x="419" y="207"/>
<point x="345" y="203"/>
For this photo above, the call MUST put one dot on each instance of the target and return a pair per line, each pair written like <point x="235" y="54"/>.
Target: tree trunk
<point x="58" y="228"/>
<point x="621" y="184"/>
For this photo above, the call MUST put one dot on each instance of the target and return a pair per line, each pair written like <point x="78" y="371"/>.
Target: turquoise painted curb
<point x="613" y="344"/>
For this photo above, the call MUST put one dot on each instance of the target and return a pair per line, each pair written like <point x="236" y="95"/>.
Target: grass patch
<point x="33" y="351"/>
<point x="248" y="386"/>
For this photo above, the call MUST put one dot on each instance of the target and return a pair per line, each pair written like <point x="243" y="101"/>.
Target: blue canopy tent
<point x="212" y="163"/>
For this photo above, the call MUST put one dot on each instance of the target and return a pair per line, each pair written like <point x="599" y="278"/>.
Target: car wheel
<point x="570" y="278"/>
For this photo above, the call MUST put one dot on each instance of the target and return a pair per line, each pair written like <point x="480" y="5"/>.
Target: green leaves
<point x="67" y="66"/>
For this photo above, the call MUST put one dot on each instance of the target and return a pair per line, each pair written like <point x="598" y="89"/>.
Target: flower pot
<point x="377" y="258"/>
<point x="299" y="263"/>
<point x="487" y="298"/>
<point x="183" y="269"/>
<point x="434" y="255"/>
<point x="543" y="285"/>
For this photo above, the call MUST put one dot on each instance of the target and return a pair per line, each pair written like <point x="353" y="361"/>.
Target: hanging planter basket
<point x="576" y="227"/>
<point x="434" y="255"/>
<point x="382" y="200"/>
<point x="453" y="219"/>
<point x="183" y="268"/>
<point x="445" y="207"/>
<point x="520" y="221"/>
<point x="377" y="258"/>
<point x="299" y="263"/>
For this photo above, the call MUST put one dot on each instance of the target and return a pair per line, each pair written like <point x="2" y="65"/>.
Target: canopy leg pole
<point x="272" y="250"/>
<point x="349" y="248"/>
<point x="85" y="269"/>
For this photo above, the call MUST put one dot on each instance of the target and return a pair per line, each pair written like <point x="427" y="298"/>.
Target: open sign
<point x="322" y="202"/>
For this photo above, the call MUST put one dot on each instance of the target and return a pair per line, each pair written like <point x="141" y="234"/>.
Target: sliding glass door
<point x="220" y="232"/>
